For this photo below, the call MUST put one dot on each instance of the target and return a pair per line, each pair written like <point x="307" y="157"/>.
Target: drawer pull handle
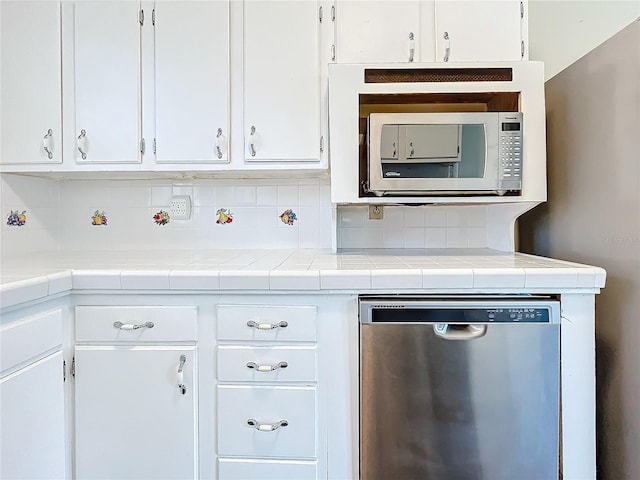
<point x="267" y="368"/>
<point x="181" y="386"/>
<point x="267" y="326"/>
<point x="266" y="427"/>
<point x="132" y="326"/>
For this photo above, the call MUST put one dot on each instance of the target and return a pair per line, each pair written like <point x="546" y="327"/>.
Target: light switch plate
<point x="180" y="207"/>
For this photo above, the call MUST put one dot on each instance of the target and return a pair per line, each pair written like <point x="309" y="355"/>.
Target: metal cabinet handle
<point x="132" y="326"/>
<point x="252" y="145"/>
<point x="47" y="141"/>
<point x="266" y="427"/>
<point x="221" y="143"/>
<point x="394" y="150"/>
<point x="82" y="143"/>
<point x="266" y="368"/>
<point x="267" y="326"/>
<point x="447" y="48"/>
<point x="411" y="149"/>
<point x="459" y="332"/>
<point x="181" y="386"/>
<point x="412" y="46"/>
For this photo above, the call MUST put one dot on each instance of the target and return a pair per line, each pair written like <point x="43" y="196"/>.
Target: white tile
<point x="477" y="216"/>
<point x="551" y="277"/>
<point x="310" y="195"/>
<point x="145" y="280"/>
<point x="352" y="216"/>
<point x="288" y="195"/>
<point x="395" y="279"/>
<point x="414" y="217"/>
<point x="96" y="280"/>
<point x="245" y="196"/>
<point x="23" y="291"/>
<point x="267" y="196"/>
<point x="436" y="237"/>
<point x="447" y="278"/>
<point x="59" y="282"/>
<point x="600" y="277"/>
<point x="477" y="237"/>
<point x="414" y="237"/>
<point x="225" y="196"/>
<point x="244" y="280"/>
<point x="498" y="277"/>
<point x="204" y="196"/>
<point x="140" y="195"/>
<point x="361" y="238"/>
<point x="457" y="237"/>
<point x="457" y="217"/>
<point x="294" y="280"/>
<point x="345" y="279"/>
<point x="392" y="218"/>
<point x="161" y="196"/>
<point x="436" y="217"/>
<point x="194" y="280"/>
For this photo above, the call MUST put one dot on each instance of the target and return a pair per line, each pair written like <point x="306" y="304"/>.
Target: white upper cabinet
<point x="374" y="31"/>
<point x="107" y="81"/>
<point x="30" y="82"/>
<point x="282" y="81"/>
<point x="472" y="30"/>
<point x="381" y="31"/>
<point x="191" y="81"/>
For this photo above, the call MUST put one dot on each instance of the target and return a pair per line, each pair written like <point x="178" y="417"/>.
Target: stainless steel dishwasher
<point x="459" y="388"/>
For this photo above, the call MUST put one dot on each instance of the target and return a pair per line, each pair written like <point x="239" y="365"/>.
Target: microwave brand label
<point x="392" y="174"/>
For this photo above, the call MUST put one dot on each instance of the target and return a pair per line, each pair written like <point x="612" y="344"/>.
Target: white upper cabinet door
<point x="472" y="30"/>
<point x="107" y="81"/>
<point x="131" y="418"/>
<point x="30" y="82"/>
<point x="282" y="78"/>
<point x="192" y="81"/>
<point x="374" y="31"/>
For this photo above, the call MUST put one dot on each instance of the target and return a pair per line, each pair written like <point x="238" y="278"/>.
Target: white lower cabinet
<point x="135" y="397"/>
<point x="267" y="392"/>
<point x="32" y="417"/>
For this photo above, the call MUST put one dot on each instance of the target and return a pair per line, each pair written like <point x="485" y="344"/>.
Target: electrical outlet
<point x="375" y="212"/>
<point x="180" y="207"/>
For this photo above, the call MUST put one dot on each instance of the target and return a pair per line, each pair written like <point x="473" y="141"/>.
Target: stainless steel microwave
<point x="444" y="153"/>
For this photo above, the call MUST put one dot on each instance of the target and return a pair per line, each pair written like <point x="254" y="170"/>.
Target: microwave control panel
<point x="510" y="132"/>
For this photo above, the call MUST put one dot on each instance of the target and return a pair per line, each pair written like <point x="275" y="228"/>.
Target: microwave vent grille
<point x="422" y="75"/>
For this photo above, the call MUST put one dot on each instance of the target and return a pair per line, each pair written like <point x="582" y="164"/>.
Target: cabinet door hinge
<point x="142" y="146"/>
<point x="320" y="13"/>
<point x="64" y="371"/>
<point x="153" y="17"/>
<point x="333" y="53"/>
<point x="522" y="49"/>
<point x="333" y="13"/>
<point x="73" y="367"/>
<point x="521" y="10"/>
<point x="141" y="17"/>
<point x="154" y="146"/>
<point x="322" y="144"/>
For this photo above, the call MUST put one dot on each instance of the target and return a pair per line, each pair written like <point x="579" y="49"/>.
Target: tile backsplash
<point x="240" y="213"/>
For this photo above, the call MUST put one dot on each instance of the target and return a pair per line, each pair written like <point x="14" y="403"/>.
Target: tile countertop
<point x="358" y="270"/>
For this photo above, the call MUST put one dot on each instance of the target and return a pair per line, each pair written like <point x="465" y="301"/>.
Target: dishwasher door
<point x="459" y="390"/>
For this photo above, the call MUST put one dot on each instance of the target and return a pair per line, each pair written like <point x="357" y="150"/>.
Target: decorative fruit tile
<point x="224" y="216"/>
<point x="99" y="218"/>
<point x="161" y="218"/>
<point x="288" y="217"/>
<point x="17" y="219"/>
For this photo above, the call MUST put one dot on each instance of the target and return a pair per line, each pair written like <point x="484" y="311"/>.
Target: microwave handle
<point x="447" y="48"/>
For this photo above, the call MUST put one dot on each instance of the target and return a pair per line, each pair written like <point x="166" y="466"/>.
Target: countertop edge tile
<point x="96" y="280"/>
<point x="144" y="279"/>
<point x="396" y="278"/>
<point x="194" y="280"/>
<point x="23" y="291"/>
<point x="294" y="280"/>
<point x="507" y="277"/>
<point x="447" y="278"/>
<point x="59" y="282"/>
<point x="345" y="279"/>
<point x="244" y="280"/>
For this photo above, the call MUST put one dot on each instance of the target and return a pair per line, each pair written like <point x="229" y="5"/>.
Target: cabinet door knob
<point x="221" y="144"/>
<point x="82" y="144"/>
<point x="447" y="47"/>
<point x="266" y="368"/>
<point x="47" y="142"/>
<point x="252" y="141"/>
<point x="266" y="326"/>
<point x="266" y="427"/>
<point x="132" y="326"/>
<point x="181" y="386"/>
<point x="412" y="46"/>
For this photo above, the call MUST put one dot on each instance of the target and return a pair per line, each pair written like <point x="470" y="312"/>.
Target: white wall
<point x="562" y="31"/>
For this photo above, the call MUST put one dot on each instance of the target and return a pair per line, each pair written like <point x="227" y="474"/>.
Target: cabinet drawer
<point x="267" y="406"/>
<point x="267" y="364"/>
<point x="243" y="469"/>
<point x="29" y="337"/>
<point x="267" y="323"/>
<point x="176" y="324"/>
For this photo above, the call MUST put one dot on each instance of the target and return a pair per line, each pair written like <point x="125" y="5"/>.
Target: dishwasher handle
<point x="457" y="331"/>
